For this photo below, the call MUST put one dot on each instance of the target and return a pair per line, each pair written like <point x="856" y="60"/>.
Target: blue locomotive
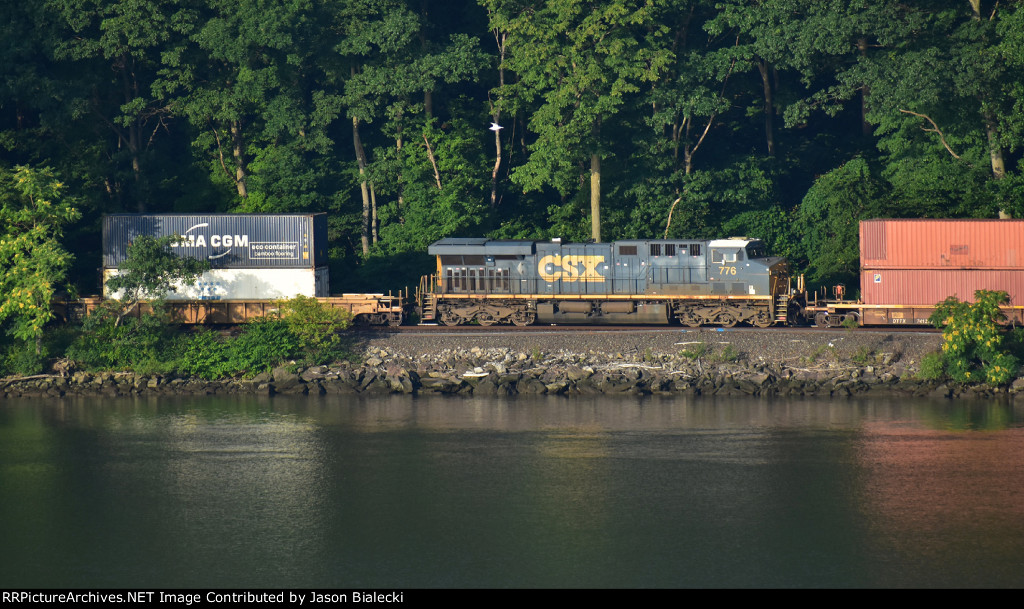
<point x="718" y="282"/>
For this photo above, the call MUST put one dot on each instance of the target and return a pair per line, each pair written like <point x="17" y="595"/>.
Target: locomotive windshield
<point x="757" y="250"/>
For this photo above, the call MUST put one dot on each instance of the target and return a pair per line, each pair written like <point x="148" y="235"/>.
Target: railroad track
<point x="439" y="330"/>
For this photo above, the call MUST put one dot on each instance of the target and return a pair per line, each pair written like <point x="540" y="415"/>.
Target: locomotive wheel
<point x="485" y="319"/>
<point x="690" y="319"/>
<point x="523" y="318"/>
<point x="821" y="320"/>
<point x="450" y="318"/>
<point x="395" y="320"/>
<point x="726" y="319"/>
<point x="762" y="319"/>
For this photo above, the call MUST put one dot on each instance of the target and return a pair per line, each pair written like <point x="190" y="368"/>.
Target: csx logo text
<point x="567" y="268"/>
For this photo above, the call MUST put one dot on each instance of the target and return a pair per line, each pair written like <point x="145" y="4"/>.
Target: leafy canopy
<point x="33" y="213"/>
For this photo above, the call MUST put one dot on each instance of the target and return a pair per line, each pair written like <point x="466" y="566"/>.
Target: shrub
<point x="931" y="367"/>
<point x="24" y="359"/>
<point x="973" y="346"/>
<point x="203" y="353"/>
<point x="138" y="344"/>
<point x="317" y="327"/>
<point x="863" y="355"/>
<point x="262" y="345"/>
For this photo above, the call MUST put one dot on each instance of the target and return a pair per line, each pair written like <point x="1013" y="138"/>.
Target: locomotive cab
<point x="740" y="266"/>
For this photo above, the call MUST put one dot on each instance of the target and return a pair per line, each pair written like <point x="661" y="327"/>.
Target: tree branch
<point x="935" y="129"/>
<point x="220" y="153"/>
<point x="430" y="153"/>
<point x="670" y="210"/>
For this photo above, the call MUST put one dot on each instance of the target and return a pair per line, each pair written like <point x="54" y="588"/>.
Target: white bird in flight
<point x="495" y="127"/>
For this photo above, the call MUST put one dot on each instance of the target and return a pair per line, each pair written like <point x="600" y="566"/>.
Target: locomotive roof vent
<point x="556" y="239"/>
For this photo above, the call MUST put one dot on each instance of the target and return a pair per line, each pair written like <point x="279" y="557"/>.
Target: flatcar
<point x="720" y="282"/>
<point x="366" y="309"/>
<point x="909" y="265"/>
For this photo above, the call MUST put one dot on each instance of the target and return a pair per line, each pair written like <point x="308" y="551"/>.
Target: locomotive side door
<point x="697" y="263"/>
<point x="627" y="267"/>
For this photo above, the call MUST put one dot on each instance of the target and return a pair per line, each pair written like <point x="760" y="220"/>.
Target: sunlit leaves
<point x="973" y="348"/>
<point x="33" y="263"/>
<point x="151" y="271"/>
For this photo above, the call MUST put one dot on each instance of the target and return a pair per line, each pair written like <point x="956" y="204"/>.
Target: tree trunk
<point x="398" y="178"/>
<point x="595" y="197"/>
<point x="373" y="214"/>
<point x="991" y="126"/>
<point x="357" y="143"/>
<point x="501" y="39"/>
<point x="995" y="150"/>
<point x="428" y="95"/>
<point x="433" y="161"/>
<point x="130" y="89"/>
<point x="769" y="107"/>
<point x="497" y="163"/>
<point x="865" y="92"/>
<point x="238" y="150"/>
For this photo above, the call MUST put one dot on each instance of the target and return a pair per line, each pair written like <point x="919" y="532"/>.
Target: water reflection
<point x="545" y="492"/>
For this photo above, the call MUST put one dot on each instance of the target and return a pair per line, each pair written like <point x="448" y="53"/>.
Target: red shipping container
<point x="941" y="244"/>
<point x="931" y="286"/>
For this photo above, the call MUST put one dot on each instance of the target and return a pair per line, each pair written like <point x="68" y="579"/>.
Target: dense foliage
<point x="781" y="119"/>
<point x="305" y="332"/>
<point x="974" y="344"/>
<point x="34" y="263"/>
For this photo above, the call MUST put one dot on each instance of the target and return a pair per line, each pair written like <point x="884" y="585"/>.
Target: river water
<point x="450" y="492"/>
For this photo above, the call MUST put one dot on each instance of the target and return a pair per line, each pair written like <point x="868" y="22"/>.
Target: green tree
<point x="828" y="221"/>
<point x="393" y="70"/>
<point x="941" y="102"/>
<point x="150" y="271"/>
<point x="245" y="76"/>
<point x="116" y="45"/>
<point x="33" y="214"/>
<point x="580" y="63"/>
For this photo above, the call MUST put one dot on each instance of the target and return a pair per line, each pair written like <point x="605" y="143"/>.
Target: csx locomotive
<point x="718" y="282"/>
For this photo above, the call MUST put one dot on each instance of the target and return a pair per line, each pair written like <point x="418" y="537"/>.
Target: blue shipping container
<point x="227" y="241"/>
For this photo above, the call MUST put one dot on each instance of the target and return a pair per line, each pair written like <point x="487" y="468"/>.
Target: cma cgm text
<point x="215" y="241"/>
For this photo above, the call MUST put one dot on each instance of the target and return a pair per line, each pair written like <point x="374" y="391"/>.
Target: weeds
<point x="696" y="352"/>
<point x="931" y="367"/>
<point x="863" y="355"/>
<point x="819" y="352"/>
<point x="729" y="354"/>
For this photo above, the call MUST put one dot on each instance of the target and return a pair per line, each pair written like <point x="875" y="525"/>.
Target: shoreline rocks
<point x="768" y="363"/>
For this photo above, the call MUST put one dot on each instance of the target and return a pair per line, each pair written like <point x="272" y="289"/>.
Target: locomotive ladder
<point x="782" y="310"/>
<point x="427" y="299"/>
<point x="429" y="308"/>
